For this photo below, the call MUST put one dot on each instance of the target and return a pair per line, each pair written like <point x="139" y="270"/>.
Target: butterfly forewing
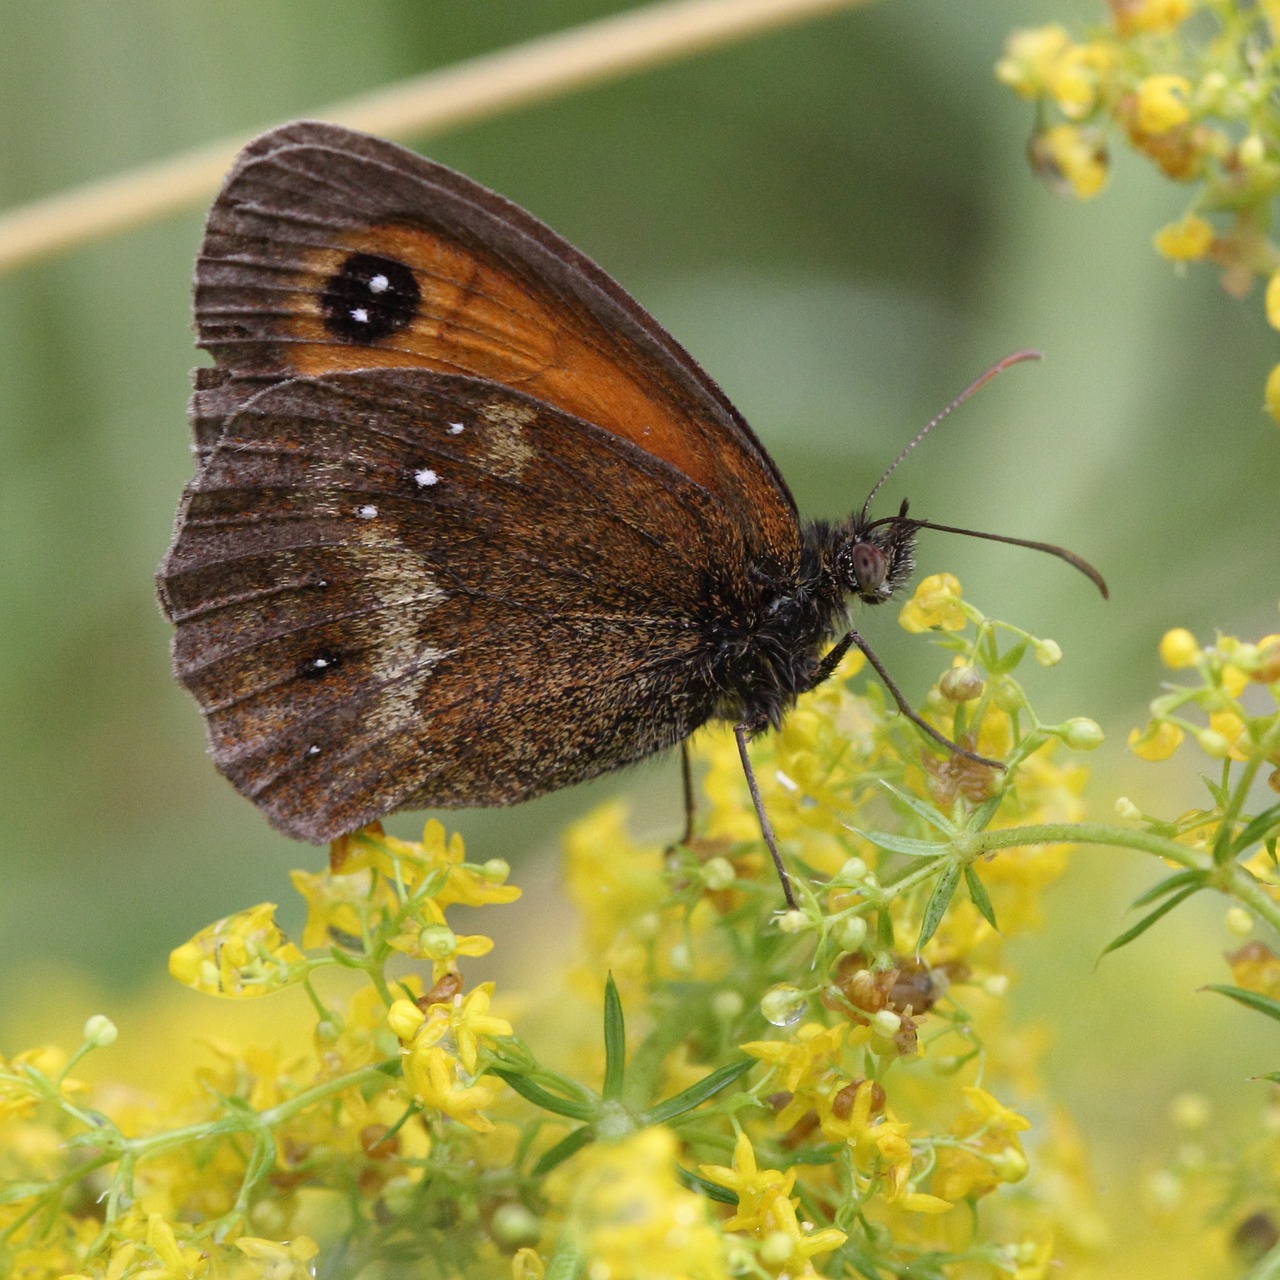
<point x="394" y="587"/>
<point x="328" y="250"/>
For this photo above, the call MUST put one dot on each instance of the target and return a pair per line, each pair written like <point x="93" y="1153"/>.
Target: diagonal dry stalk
<point x="464" y="93"/>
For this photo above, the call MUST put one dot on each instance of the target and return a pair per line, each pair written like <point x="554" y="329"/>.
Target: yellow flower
<point x="1255" y="967"/>
<point x="243" y="955"/>
<point x="432" y="1076"/>
<point x="526" y="1264"/>
<point x="1273" y="300"/>
<point x="631" y="1217"/>
<point x="801" y="1058"/>
<point x="289" y="1260"/>
<point x="435" y="855"/>
<point x="1186" y="240"/>
<point x="405" y="1018"/>
<point x="990" y="1154"/>
<point x="424" y="935"/>
<point x="1071" y="159"/>
<point x="1271" y="397"/>
<point x="337" y="904"/>
<point x="471" y="1023"/>
<point x="791" y="1244"/>
<point x="753" y="1186"/>
<point x="936" y="604"/>
<point x="1030" y="55"/>
<point x="1134" y="16"/>
<point x="1178" y="648"/>
<point x="1162" y="103"/>
<point x="1158" y="741"/>
<point x="878" y="1143"/>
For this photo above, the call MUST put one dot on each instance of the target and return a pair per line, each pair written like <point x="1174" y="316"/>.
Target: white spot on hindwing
<point x="457" y="428"/>
<point x="424" y="477"/>
<point x="367" y="512"/>
<point x="360" y="315"/>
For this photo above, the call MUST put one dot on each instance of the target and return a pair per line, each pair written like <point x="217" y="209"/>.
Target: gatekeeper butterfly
<point x="468" y="524"/>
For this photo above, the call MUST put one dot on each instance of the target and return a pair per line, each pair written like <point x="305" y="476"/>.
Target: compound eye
<point x="870" y="568"/>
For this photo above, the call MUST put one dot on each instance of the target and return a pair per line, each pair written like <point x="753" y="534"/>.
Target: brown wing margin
<point x="502" y="298"/>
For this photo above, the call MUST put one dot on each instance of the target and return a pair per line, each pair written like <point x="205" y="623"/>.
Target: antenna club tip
<point x="1027" y="353"/>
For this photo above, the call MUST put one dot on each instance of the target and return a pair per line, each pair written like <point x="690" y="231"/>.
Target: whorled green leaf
<point x="978" y="896"/>
<point x="615" y="1042"/>
<point x="1250" y="999"/>
<point x="567" y="1146"/>
<point x="712" y="1190"/>
<point x="1179" y="880"/>
<point x="938" y="902"/>
<point x="557" y="1104"/>
<point x="933" y="816"/>
<point x="1148" y="920"/>
<point x="1267" y="823"/>
<point x="904" y="844"/>
<point x="698" y="1093"/>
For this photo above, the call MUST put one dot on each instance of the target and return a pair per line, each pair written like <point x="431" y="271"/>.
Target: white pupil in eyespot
<point x="379" y="284"/>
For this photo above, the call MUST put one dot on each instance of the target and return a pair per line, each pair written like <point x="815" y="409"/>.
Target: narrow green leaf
<point x="698" y="1093"/>
<point x="712" y="1190"/>
<point x="939" y="900"/>
<point x="574" y="1108"/>
<point x="884" y="930"/>
<point x="1257" y="829"/>
<point x="1168" y="885"/>
<point x="983" y="814"/>
<point x="931" y="815"/>
<point x="1148" y="920"/>
<point x="904" y="844"/>
<point x="978" y="896"/>
<point x="615" y="1042"/>
<point x="1250" y="999"/>
<point x="1273" y="1076"/>
<point x="1008" y="660"/>
<point x="563" y="1149"/>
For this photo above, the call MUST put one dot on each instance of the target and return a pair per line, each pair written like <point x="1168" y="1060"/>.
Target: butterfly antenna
<point x="999" y="367"/>
<point x="1075" y="561"/>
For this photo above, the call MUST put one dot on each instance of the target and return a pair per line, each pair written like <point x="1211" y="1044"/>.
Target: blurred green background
<point x="839" y="222"/>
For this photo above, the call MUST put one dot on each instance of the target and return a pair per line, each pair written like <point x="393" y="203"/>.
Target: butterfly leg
<point x="740" y="732"/>
<point x="690" y="804"/>
<point x="832" y="660"/>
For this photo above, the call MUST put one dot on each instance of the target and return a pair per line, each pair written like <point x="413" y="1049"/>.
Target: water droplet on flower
<point x="784" y="1005"/>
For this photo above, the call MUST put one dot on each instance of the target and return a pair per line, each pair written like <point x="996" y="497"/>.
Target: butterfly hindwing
<point x="394" y="587"/>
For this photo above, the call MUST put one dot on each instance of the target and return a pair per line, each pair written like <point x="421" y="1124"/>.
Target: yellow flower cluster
<point x="1232" y="730"/>
<point x="1198" y="103"/>
<point x="799" y="1093"/>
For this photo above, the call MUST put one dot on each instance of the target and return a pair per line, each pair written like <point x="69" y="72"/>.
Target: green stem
<point x="1230" y="878"/>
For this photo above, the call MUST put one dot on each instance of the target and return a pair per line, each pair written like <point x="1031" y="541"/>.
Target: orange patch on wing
<point x="476" y="318"/>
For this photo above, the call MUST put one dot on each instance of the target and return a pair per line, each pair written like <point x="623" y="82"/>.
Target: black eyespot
<point x="321" y="664"/>
<point x="369" y="298"/>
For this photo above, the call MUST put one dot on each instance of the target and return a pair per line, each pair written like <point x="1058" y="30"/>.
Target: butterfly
<point x="468" y="525"/>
